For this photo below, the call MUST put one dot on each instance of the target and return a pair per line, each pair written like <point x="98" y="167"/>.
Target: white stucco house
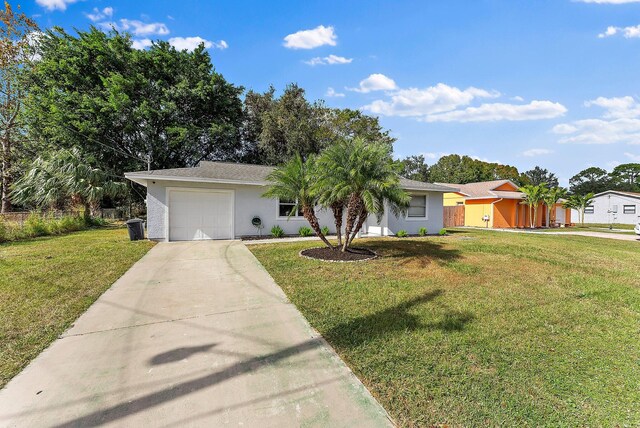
<point x="218" y="200"/>
<point x="612" y="207"/>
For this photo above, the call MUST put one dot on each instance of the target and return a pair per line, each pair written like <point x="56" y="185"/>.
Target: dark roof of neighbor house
<point x="485" y="189"/>
<point x="632" y="194"/>
<point x="227" y="172"/>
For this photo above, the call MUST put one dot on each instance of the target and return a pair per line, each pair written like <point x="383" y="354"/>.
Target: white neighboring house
<point x="612" y="207"/>
<point x="218" y="200"/>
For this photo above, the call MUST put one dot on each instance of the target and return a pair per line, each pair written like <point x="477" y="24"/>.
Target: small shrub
<point x="277" y="232"/>
<point x="422" y="231"/>
<point x="4" y="231"/>
<point x="305" y="231"/>
<point x="402" y="234"/>
<point x="35" y="225"/>
<point x="325" y="230"/>
<point x="72" y="223"/>
<point x="442" y="232"/>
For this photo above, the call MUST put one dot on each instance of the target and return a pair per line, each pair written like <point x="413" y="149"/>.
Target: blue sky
<point x="553" y="83"/>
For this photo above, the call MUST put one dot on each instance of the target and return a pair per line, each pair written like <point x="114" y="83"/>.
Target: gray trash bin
<point x="136" y="229"/>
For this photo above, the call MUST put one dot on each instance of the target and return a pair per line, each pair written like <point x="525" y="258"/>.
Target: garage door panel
<point x="197" y="215"/>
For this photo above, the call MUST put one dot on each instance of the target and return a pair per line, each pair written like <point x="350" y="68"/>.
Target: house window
<point x="628" y="209"/>
<point x="418" y="206"/>
<point x="285" y="208"/>
<point x="589" y="210"/>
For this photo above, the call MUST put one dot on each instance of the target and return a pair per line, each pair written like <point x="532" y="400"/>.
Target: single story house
<point x="612" y="207"/>
<point x="219" y="200"/>
<point x="499" y="204"/>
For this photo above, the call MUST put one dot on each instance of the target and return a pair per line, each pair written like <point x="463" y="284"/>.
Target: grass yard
<point x="46" y="283"/>
<point x="481" y="328"/>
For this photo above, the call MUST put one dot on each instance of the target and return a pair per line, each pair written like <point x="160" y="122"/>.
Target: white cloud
<point x="141" y="44"/>
<point x="628" y="32"/>
<point x="492" y="112"/>
<point x="536" y="152"/>
<point x="137" y="28"/>
<point x="634" y="158"/>
<point x="329" y="60"/>
<point x="191" y="43"/>
<point x="55" y="4"/>
<point x="517" y="98"/>
<point x="99" y="15"/>
<point x="309" y="39"/>
<point x="422" y="102"/>
<point x="620" y="123"/>
<point x="332" y="93"/>
<point x="375" y="82"/>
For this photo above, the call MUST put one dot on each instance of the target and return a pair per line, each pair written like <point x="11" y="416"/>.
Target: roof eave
<point x="135" y="177"/>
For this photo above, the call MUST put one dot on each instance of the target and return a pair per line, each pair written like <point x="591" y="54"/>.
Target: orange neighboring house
<point x="499" y="204"/>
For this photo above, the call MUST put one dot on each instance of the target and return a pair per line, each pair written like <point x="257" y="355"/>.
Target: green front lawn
<point x="46" y="283"/>
<point x="481" y="328"/>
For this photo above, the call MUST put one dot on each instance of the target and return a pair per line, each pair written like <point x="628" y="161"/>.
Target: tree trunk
<point x="362" y="217"/>
<point x="87" y="212"/>
<point x="535" y="217"/>
<point x="338" y="210"/>
<point x="353" y="209"/>
<point x="6" y="174"/>
<point x="310" y="215"/>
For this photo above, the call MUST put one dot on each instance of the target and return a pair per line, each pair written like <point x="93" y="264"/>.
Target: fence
<point x="454" y="216"/>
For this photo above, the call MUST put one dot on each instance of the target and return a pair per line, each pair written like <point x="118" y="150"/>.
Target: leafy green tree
<point x="128" y="107"/>
<point x="17" y="39"/>
<point x="626" y="177"/>
<point x="540" y="175"/>
<point x="415" y="168"/>
<point x="363" y="174"/>
<point x="590" y="180"/>
<point x="293" y="182"/>
<point x="289" y="126"/>
<point x="347" y="124"/>
<point x="534" y="195"/>
<point x="63" y="178"/>
<point x="464" y="169"/>
<point x="550" y="198"/>
<point x="579" y="203"/>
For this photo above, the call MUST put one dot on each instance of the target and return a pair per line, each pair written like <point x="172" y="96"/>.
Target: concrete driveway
<point x="194" y="334"/>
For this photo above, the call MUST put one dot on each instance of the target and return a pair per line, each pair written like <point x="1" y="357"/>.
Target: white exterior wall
<point x="433" y="222"/>
<point x="248" y="203"/>
<point x="602" y="210"/>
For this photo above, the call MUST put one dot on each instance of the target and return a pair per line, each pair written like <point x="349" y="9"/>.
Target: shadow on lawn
<point x="410" y="248"/>
<point x="395" y="319"/>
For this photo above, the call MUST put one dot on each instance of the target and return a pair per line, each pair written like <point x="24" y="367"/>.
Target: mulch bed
<point x="353" y="254"/>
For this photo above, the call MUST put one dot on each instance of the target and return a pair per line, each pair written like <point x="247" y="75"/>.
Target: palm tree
<point x="292" y="182"/>
<point x="550" y="198"/>
<point x="362" y="177"/>
<point x="533" y="196"/>
<point x="579" y="203"/>
<point x="65" y="176"/>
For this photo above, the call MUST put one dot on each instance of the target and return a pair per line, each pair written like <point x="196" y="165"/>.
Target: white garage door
<point x="195" y="215"/>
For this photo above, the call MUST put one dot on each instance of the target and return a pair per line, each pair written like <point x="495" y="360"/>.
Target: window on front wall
<point x="417" y="206"/>
<point x="285" y="208"/>
<point x="589" y="210"/>
<point x="629" y="209"/>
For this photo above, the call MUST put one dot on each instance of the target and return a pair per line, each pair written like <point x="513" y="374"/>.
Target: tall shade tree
<point x="415" y="168"/>
<point x="17" y="51"/>
<point x="464" y="169"/>
<point x="590" y="180"/>
<point x="550" y="199"/>
<point x="540" y="175"/>
<point x="626" y="177"/>
<point x="363" y="175"/>
<point x="293" y="182"/>
<point x="534" y="195"/>
<point x="128" y="108"/>
<point x="579" y="203"/>
<point x="64" y="178"/>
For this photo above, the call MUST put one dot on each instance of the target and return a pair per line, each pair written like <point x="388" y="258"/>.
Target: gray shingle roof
<point x="247" y="174"/>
